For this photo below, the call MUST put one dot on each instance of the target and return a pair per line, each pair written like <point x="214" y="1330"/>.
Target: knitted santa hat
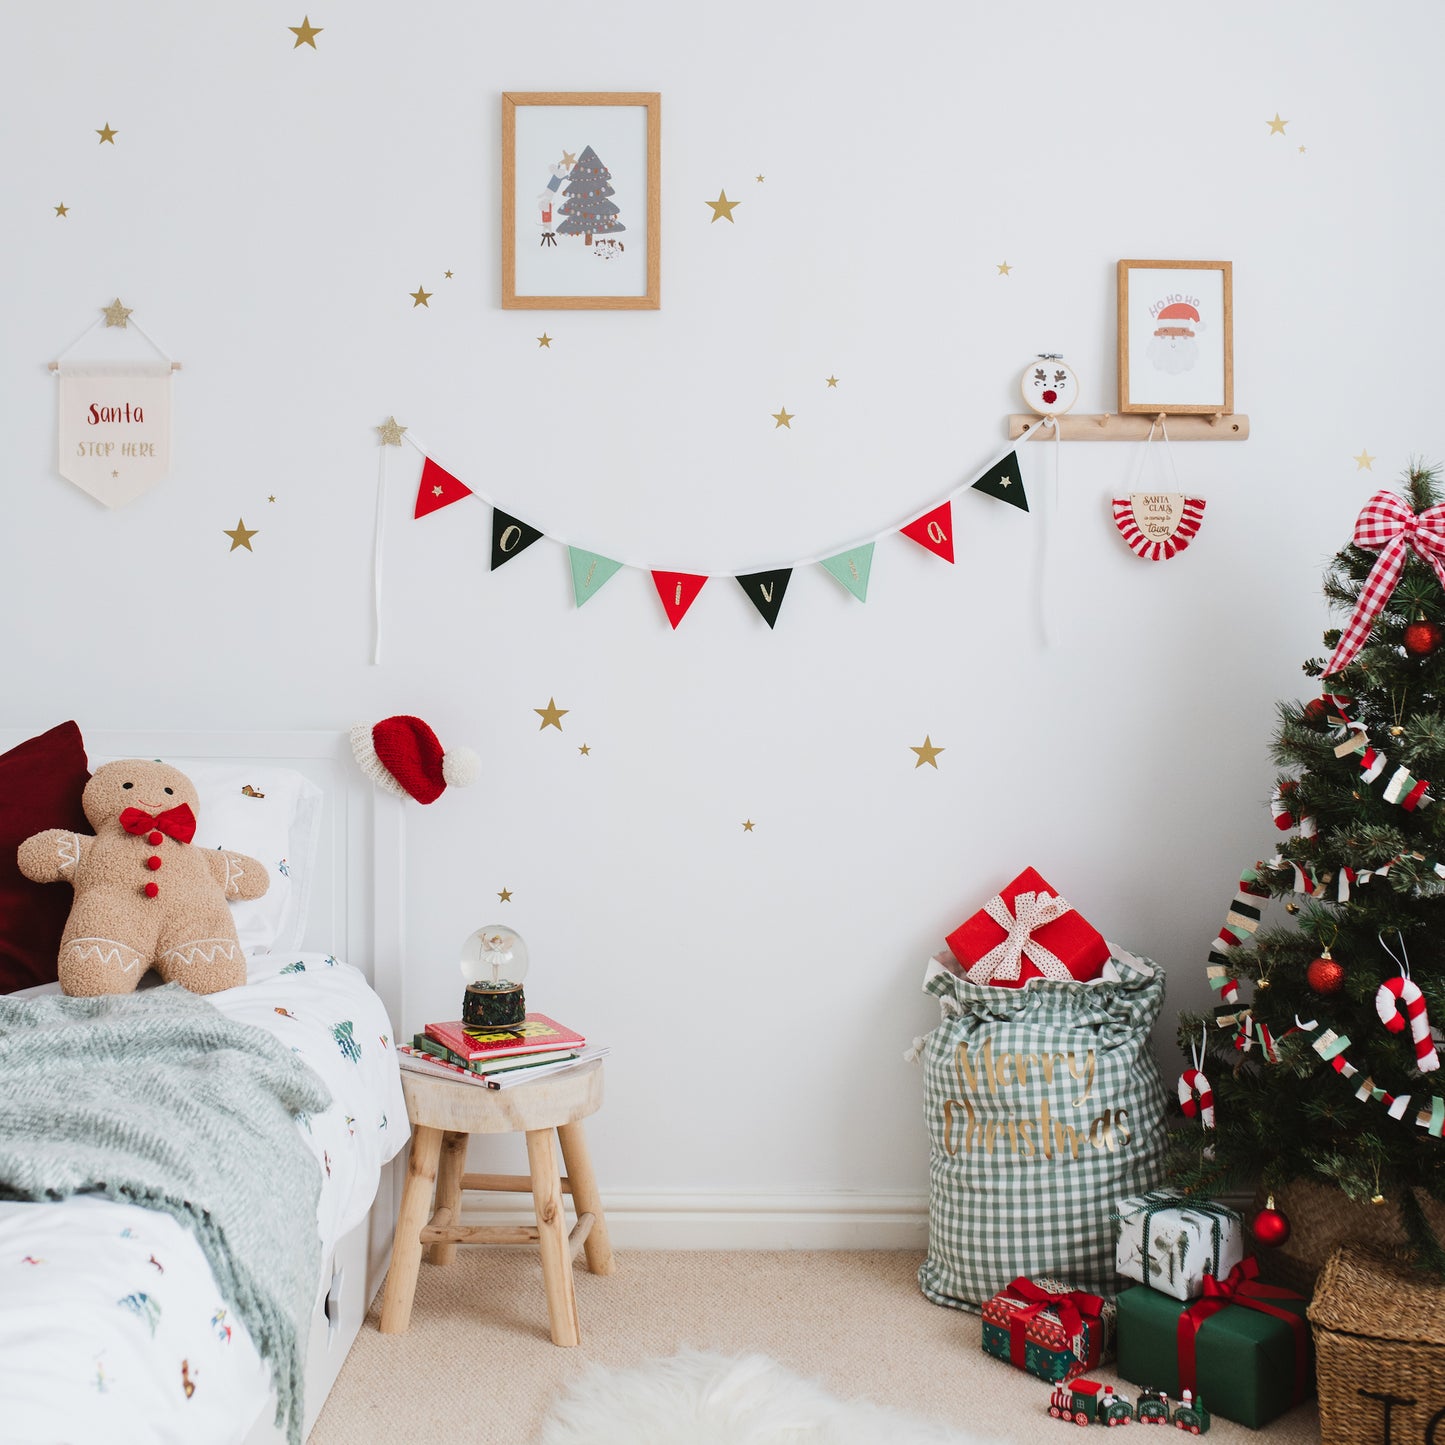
<point x="403" y="755"/>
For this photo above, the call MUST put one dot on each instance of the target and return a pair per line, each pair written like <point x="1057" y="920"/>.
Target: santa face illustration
<point x="1050" y="387"/>
<point x="1174" y="346"/>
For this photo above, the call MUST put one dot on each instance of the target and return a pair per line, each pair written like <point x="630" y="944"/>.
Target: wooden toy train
<point x="1086" y="1402"/>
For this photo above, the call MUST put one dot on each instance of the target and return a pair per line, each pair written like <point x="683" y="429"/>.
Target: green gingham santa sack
<point x="1045" y="1108"/>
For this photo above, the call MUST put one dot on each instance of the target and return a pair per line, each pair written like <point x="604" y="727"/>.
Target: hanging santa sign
<point x="1157" y="525"/>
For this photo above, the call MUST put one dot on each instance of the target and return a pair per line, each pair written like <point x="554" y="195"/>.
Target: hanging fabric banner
<point x="437" y="489"/>
<point x="678" y="591"/>
<point x="509" y="536"/>
<point x="765" y="591"/>
<point x="852" y="568"/>
<point x="1005" y="481"/>
<point x="589" y="572"/>
<point x="115" y="427"/>
<point x="934" y="530"/>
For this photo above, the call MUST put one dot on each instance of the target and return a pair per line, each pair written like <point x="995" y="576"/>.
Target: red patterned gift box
<point x="1028" y="931"/>
<point x="1046" y="1328"/>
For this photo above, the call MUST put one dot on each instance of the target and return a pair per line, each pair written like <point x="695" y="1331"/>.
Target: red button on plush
<point x="151" y="889"/>
<point x="155" y="839"/>
<point x="153" y="862"/>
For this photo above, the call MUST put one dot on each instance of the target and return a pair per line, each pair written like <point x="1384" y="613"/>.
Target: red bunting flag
<point x="438" y="489"/>
<point x="678" y="591"/>
<point x="934" y="530"/>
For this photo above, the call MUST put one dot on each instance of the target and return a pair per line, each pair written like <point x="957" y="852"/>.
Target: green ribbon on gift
<point x="1161" y="1201"/>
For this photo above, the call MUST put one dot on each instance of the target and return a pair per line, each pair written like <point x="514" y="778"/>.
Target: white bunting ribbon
<point x="1005" y="961"/>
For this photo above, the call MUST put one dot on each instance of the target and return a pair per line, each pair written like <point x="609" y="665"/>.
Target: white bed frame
<point x="356" y="914"/>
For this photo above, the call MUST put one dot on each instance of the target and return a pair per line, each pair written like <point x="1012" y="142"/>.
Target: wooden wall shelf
<point x="1134" y="427"/>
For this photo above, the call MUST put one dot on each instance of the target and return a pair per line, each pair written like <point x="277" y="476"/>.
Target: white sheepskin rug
<point x="703" y="1399"/>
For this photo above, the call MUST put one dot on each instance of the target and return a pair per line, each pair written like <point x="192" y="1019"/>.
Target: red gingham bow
<point x="1388" y="526"/>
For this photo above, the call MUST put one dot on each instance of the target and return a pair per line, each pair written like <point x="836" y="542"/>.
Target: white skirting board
<point x="681" y="1219"/>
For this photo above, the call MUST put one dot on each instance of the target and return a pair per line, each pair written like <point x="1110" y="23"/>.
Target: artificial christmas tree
<point x="589" y="213"/>
<point x="1327" y="1073"/>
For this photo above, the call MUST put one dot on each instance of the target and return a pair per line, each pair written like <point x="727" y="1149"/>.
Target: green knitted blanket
<point x="155" y="1098"/>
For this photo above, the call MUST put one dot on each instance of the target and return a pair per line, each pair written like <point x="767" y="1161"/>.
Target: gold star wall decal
<point x="544" y="340"/>
<point x="241" y="535"/>
<point x="551" y="715"/>
<point x="783" y="418"/>
<point x="115" y="313"/>
<point x="1362" y="462"/>
<point x="305" y="33"/>
<point x="390" y="432"/>
<point x="447" y="275"/>
<point x="748" y="826"/>
<point x="1004" y="268"/>
<point x="927" y="753"/>
<point x="62" y="209"/>
<point x="722" y="208"/>
<point x="760" y="181"/>
<point x="107" y="136"/>
<point x="584" y="750"/>
<point x="1301" y="150"/>
<point x="831" y="380"/>
<point x="1276" y="126"/>
<point x="420" y="297"/>
<point x="505" y="895"/>
<point x="272" y="497"/>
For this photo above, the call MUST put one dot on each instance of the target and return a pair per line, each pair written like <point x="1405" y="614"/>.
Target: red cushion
<point x="40" y="786"/>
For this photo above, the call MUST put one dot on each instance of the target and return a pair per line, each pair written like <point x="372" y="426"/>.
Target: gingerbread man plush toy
<point x="144" y="897"/>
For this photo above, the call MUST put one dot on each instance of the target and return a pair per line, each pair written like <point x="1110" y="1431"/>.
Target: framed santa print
<point x="1176" y="337"/>
<point x="581" y="200"/>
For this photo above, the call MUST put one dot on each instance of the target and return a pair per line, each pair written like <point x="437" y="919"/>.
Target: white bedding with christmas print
<point x="111" y="1325"/>
<point x="1044" y="1108"/>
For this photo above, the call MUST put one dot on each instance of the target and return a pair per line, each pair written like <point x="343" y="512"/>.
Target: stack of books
<point x="497" y="1058"/>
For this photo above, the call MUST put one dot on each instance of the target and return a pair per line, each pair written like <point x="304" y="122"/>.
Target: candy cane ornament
<point x="1398" y="999"/>
<point x="1192" y="1082"/>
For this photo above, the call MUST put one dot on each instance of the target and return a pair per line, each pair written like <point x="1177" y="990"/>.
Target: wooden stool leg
<point x="449" y="1191"/>
<point x="416" y="1205"/>
<point x="552" y="1238"/>
<point x="585" y="1199"/>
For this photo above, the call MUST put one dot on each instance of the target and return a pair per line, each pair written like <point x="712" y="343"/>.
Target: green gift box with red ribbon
<point x="1244" y="1348"/>
<point x="1047" y="1328"/>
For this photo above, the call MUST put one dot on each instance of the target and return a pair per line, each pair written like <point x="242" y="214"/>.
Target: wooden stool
<point x="442" y="1115"/>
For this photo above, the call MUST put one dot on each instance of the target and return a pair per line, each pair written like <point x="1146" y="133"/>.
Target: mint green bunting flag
<point x="851" y="569"/>
<point x="589" y="572"/>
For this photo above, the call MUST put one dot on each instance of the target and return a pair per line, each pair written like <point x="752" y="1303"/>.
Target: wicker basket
<point x="1379" y="1328"/>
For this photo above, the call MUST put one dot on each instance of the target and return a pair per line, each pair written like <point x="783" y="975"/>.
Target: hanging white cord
<point x="1401" y="962"/>
<point x="1046" y="532"/>
<point x="376" y="559"/>
<point x="130" y="321"/>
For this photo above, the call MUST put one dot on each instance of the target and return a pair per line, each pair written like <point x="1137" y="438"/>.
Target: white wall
<point x="266" y="212"/>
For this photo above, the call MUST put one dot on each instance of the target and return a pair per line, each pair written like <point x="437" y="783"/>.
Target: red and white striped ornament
<point x="1398" y="999"/>
<point x="1191" y="1083"/>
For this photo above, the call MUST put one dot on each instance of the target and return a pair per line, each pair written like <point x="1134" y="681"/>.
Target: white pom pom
<point x="461" y="766"/>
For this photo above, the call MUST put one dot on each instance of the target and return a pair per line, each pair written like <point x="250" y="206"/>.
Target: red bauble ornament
<point x="1325" y="975"/>
<point x="1422" y="639"/>
<point x="1270" y="1226"/>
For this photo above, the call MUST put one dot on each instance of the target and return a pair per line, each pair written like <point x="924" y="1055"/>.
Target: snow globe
<point x="1049" y="386"/>
<point x="494" y="964"/>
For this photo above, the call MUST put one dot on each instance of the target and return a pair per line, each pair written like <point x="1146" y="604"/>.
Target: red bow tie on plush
<point x="178" y="822"/>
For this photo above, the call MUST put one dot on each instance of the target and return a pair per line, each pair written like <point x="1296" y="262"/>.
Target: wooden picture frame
<point x="563" y="271"/>
<point x="1181" y="327"/>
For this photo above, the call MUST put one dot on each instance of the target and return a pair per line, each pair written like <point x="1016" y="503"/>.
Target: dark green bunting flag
<point x="1005" y="481"/>
<point x="765" y="591"/>
<point x="509" y="536"/>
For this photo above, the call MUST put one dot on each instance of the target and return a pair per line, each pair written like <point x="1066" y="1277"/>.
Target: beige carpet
<point x="478" y="1368"/>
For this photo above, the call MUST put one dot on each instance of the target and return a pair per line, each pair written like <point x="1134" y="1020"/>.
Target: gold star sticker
<point x="927" y="753"/>
<point x="1362" y="462"/>
<point x="271" y="498"/>
<point x="115" y="313"/>
<point x="551" y="715"/>
<point x="448" y="275"/>
<point x="115" y="474"/>
<point x="760" y="181"/>
<point x="1004" y="268"/>
<point x="544" y="340"/>
<point x="831" y="380"/>
<point x="419" y="297"/>
<point x="1276" y="126"/>
<point x="62" y="209"/>
<point x="107" y="136"/>
<point x="390" y="432"/>
<point x="305" y="33"/>
<point x="436" y="491"/>
<point x="505" y="895"/>
<point x="241" y="535"/>
<point x="584" y="750"/>
<point x="722" y="208"/>
<point x="1301" y="150"/>
<point x="783" y="418"/>
<point x="748" y="826"/>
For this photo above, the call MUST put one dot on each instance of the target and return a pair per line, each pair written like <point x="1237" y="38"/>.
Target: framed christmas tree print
<point x="1176" y="336"/>
<point x="581" y="200"/>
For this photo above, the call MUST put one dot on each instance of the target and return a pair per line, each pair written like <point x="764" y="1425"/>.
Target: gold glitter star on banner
<point x="62" y="209"/>
<point x="240" y="535"/>
<point x="584" y="750"/>
<point x="927" y="753"/>
<point x="545" y="340"/>
<point x="1276" y="126"/>
<point x="505" y="895"/>
<point x="107" y="136"/>
<point x="305" y="33"/>
<point x="551" y="715"/>
<point x="722" y="208"/>
<point x="831" y="380"/>
<point x="783" y="418"/>
<point x="1004" y="268"/>
<point x="748" y="826"/>
<point x="420" y="297"/>
<point x="1362" y="462"/>
<point x="115" y="313"/>
<point x="390" y="432"/>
